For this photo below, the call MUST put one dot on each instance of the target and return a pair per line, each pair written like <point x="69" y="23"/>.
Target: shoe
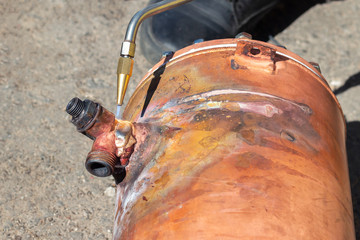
<point x="200" y="19"/>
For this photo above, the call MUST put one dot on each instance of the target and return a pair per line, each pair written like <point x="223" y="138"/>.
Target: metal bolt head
<point x="167" y="53"/>
<point x="198" y="40"/>
<point x="244" y="35"/>
<point x="316" y="66"/>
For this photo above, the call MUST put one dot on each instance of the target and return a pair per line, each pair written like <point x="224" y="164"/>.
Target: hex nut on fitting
<point x="83" y="113"/>
<point x="128" y="49"/>
<point x="124" y="65"/>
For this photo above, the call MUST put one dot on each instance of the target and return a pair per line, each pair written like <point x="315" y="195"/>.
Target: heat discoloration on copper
<point x="252" y="152"/>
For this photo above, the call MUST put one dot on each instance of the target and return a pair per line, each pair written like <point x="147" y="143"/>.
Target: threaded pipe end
<point x="100" y="163"/>
<point x="75" y="107"/>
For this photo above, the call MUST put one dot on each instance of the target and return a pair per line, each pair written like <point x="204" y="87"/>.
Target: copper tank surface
<point x="236" y="139"/>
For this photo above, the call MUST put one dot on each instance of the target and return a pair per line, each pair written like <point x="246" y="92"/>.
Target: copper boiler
<point x="236" y="139"/>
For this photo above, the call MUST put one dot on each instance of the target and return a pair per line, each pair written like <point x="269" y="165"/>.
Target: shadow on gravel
<point x="353" y="81"/>
<point x="353" y="153"/>
<point x="280" y="17"/>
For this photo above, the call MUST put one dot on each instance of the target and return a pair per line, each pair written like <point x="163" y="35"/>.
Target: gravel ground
<point x="53" y="50"/>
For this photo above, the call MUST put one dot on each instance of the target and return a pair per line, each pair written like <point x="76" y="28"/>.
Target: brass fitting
<point x="114" y="141"/>
<point x="124" y="71"/>
<point x="128" y="49"/>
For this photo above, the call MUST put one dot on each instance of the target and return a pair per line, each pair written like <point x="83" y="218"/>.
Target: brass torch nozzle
<point x="124" y="71"/>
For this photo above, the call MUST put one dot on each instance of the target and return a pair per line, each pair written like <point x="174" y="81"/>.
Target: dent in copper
<point x="235" y="144"/>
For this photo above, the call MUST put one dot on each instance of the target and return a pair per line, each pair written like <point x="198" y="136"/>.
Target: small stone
<point x="110" y="192"/>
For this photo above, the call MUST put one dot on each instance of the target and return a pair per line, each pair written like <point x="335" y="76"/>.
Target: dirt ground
<point x="53" y="50"/>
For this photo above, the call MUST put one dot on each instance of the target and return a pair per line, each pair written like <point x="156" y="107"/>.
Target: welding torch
<point x="126" y="62"/>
